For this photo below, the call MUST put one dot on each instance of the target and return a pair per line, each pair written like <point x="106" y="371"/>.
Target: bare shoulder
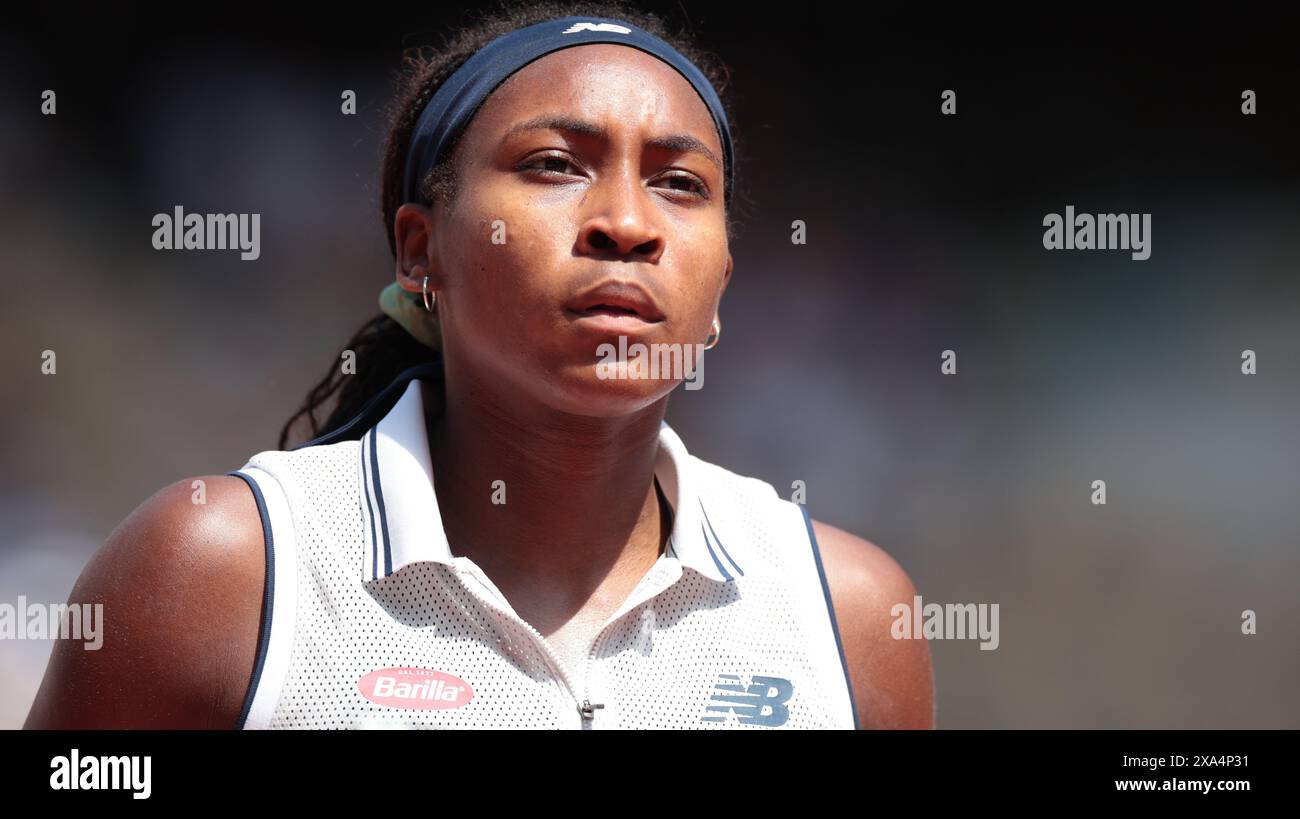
<point x="893" y="683"/>
<point x="180" y="581"/>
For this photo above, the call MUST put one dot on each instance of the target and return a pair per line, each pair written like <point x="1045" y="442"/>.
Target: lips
<point x="617" y="298"/>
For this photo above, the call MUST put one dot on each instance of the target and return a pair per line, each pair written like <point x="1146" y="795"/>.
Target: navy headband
<point x="464" y="91"/>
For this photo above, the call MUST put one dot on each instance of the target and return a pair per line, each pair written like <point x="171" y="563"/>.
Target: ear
<point x="414" y="227"/>
<point x="726" y="276"/>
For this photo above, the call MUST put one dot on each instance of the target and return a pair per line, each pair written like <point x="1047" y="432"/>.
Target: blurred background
<point x="924" y="234"/>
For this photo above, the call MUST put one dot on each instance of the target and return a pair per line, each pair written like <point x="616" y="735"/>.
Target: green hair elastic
<point x="407" y="309"/>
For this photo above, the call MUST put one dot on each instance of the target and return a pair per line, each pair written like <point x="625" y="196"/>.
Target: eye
<point x="691" y="184"/>
<point x="548" y="164"/>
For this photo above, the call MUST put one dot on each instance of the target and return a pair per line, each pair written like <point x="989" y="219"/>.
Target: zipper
<point x="586" y="710"/>
<point x="582" y="708"/>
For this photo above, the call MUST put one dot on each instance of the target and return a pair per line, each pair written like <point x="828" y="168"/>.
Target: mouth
<point x="617" y="300"/>
<point x="608" y="310"/>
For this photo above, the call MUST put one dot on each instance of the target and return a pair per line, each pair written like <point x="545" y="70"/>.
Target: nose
<point x="621" y="220"/>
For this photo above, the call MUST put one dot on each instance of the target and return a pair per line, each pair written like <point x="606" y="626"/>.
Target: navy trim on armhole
<point x="268" y="588"/>
<point x="830" y="608"/>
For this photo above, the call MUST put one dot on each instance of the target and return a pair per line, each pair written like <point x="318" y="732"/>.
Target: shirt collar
<point x="403" y="525"/>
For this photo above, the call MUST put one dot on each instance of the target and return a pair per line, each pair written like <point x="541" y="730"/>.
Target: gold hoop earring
<point x="427" y="304"/>
<point x="715" y="335"/>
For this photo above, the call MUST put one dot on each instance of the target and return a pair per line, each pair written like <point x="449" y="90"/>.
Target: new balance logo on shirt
<point x="761" y="701"/>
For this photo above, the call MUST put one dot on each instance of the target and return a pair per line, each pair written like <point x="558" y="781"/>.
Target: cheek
<point x="701" y="266"/>
<point x="503" y="275"/>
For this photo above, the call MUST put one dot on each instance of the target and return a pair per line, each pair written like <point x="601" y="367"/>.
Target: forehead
<point x="603" y="82"/>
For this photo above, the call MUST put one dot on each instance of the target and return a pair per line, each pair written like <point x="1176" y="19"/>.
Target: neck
<point x="579" y="494"/>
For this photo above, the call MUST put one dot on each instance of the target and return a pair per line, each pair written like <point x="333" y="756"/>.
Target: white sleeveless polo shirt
<point x="369" y="621"/>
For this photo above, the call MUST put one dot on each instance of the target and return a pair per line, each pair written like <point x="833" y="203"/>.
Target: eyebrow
<point x="682" y="143"/>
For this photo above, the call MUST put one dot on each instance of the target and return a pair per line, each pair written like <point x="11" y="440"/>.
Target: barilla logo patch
<point x="421" y="688"/>
<point x="610" y="27"/>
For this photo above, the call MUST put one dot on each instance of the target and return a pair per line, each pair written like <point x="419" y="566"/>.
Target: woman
<point x="496" y="528"/>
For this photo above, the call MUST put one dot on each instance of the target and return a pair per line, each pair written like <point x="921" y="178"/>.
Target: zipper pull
<point x="588" y="710"/>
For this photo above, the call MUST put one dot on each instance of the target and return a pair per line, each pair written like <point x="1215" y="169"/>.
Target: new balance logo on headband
<point x="610" y="27"/>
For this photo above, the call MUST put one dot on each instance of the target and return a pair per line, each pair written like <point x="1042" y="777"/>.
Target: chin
<point x="611" y="393"/>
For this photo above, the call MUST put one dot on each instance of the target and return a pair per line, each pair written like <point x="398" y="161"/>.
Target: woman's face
<point x="595" y="165"/>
